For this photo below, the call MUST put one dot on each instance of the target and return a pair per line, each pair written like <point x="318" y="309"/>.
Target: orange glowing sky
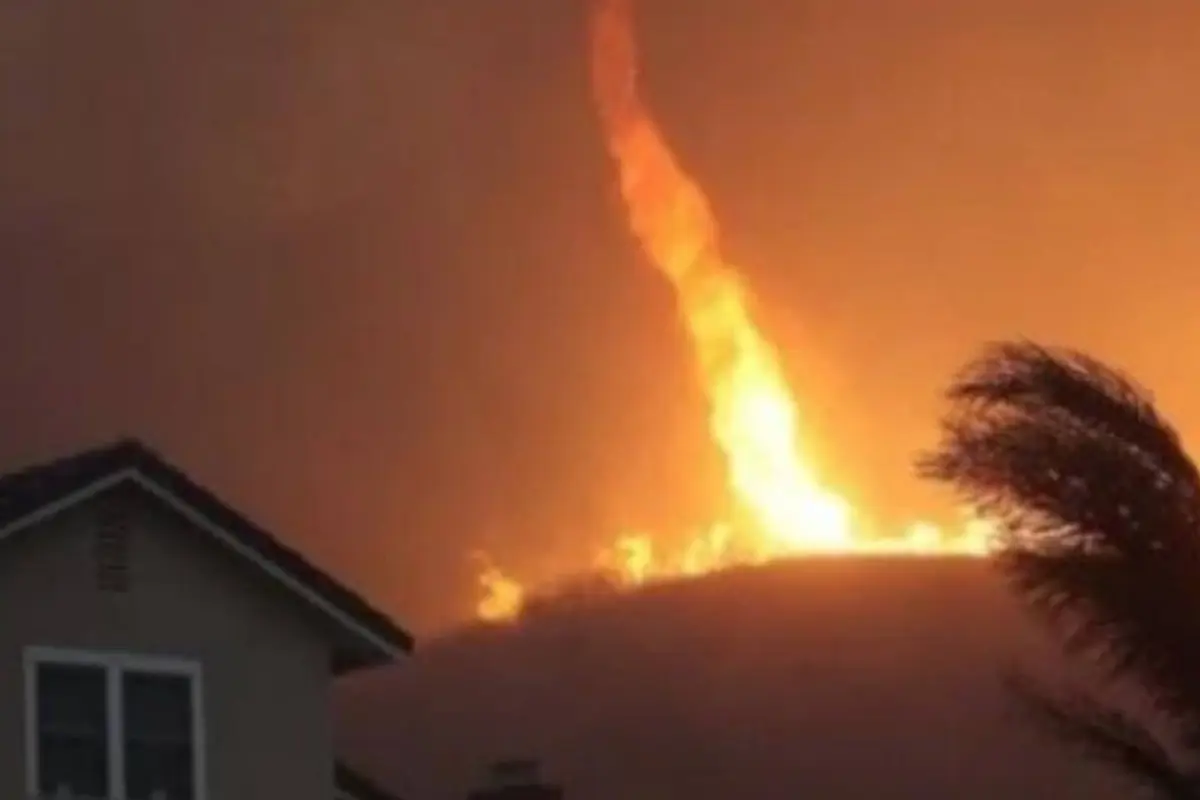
<point x="491" y="364"/>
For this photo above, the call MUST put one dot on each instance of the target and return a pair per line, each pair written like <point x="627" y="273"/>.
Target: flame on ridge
<point x="753" y="415"/>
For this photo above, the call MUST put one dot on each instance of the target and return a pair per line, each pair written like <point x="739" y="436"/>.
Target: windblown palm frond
<point x="1098" y="508"/>
<point x="1104" y="733"/>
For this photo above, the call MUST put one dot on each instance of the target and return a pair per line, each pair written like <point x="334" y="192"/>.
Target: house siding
<point x="265" y="661"/>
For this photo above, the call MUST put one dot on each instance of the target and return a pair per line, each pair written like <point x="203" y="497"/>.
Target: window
<point x="158" y="736"/>
<point x="113" y="726"/>
<point x="72" y="729"/>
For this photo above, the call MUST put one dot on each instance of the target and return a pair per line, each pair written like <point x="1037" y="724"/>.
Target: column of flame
<point x="753" y="416"/>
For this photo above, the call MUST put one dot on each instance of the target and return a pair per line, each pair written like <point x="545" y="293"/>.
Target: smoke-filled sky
<point x="361" y="267"/>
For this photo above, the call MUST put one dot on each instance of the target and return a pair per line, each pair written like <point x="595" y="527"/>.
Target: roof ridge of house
<point x="26" y="491"/>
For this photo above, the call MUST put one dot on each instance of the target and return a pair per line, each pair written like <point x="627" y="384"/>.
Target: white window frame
<point x="115" y="664"/>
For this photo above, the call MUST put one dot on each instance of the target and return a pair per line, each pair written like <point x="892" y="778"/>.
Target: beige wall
<point x="265" y="665"/>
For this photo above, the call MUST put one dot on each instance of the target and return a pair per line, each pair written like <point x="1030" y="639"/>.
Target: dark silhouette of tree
<point x="1097" y="507"/>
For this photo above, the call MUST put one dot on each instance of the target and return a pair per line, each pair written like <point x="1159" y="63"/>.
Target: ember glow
<point x="783" y="507"/>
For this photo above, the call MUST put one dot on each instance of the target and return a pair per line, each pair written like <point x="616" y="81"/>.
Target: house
<point x="154" y="643"/>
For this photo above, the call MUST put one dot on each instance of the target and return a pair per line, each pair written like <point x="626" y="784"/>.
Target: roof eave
<point x="347" y="660"/>
<point x="366" y="637"/>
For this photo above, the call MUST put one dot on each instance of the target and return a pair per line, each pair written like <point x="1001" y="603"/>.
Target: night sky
<point x="361" y="268"/>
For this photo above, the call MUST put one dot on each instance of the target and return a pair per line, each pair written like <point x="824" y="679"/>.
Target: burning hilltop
<point x="782" y="506"/>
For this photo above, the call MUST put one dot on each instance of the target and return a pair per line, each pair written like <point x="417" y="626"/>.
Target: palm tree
<point x="1097" y="507"/>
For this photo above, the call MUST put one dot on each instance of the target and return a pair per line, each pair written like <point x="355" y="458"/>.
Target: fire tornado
<point x="753" y="413"/>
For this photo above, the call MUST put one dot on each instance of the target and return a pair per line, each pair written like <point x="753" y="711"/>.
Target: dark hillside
<point x="820" y="678"/>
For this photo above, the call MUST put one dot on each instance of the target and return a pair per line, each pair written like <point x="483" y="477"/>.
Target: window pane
<point x="158" y="707"/>
<point x="158" y="736"/>
<point x="72" y="729"/>
<point x="153" y="769"/>
<point x="78" y="765"/>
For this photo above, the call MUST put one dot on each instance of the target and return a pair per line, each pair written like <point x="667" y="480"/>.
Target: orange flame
<point x="503" y="597"/>
<point x="753" y="416"/>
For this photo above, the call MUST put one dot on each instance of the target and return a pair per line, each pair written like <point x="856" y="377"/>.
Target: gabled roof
<point x="40" y="492"/>
<point x="353" y="785"/>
